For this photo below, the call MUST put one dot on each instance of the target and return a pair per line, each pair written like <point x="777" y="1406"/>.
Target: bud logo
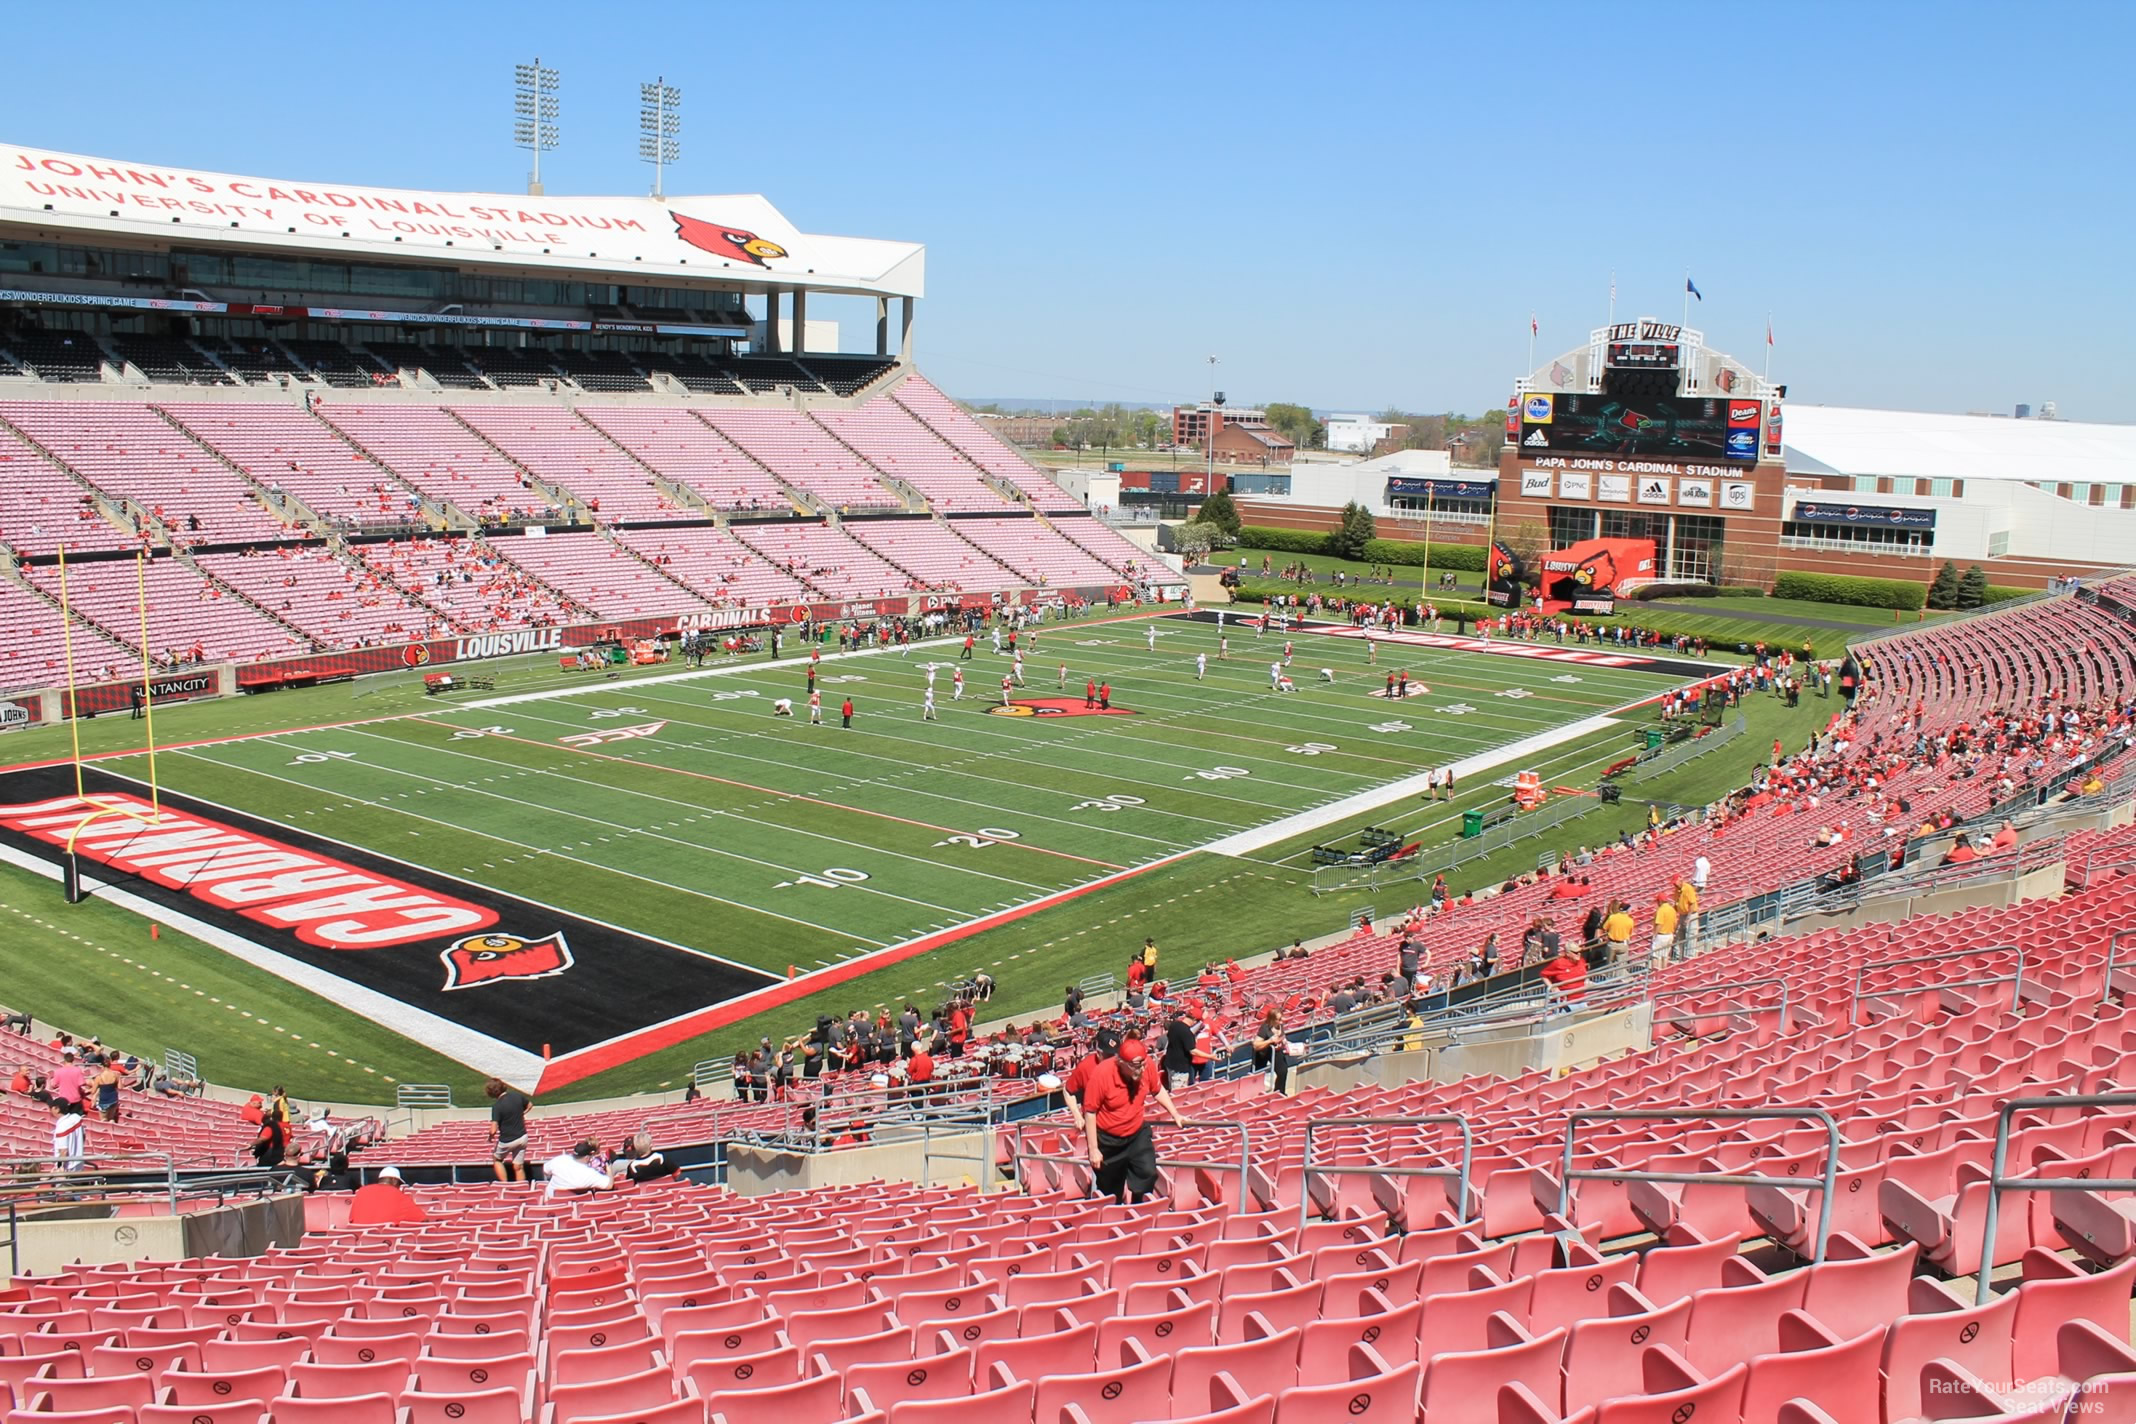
<point x="486" y="958"/>
<point x="1742" y="442"/>
<point x="324" y="902"/>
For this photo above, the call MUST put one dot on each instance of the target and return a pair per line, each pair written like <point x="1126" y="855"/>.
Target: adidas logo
<point x="1537" y="439"/>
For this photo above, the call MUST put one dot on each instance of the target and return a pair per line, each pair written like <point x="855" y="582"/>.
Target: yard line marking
<point x="537" y="850"/>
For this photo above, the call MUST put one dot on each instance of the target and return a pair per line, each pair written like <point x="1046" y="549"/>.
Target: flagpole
<point x="1767" y="376"/>
<point x="1613" y="296"/>
<point x="1531" y="343"/>
<point x="1687" y="297"/>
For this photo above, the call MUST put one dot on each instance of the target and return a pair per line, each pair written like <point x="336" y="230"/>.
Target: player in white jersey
<point x="1201" y="666"/>
<point x="815" y="709"/>
<point x="782" y="707"/>
<point x="997" y="637"/>
<point x="927" y="707"/>
<point x="1286" y="653"/>
<point x="1275" y="673"/>
<point x="1371" y="647"/>
<point x="1017" y="671"/>
<point x="956" y="685"/>
<point x="1149" y="636"/>
<point x="1063" y="683"/>
<point x="1007" y="683"/>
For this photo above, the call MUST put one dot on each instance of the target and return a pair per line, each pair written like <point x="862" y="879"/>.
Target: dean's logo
<point x="724" y="241"/>
<point x="484" y="958"/>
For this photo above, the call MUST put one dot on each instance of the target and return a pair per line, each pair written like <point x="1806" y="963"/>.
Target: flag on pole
<point x="1768" y="330"/>
<point x="1533" y="328"/>
<point x="1692" y="288"/>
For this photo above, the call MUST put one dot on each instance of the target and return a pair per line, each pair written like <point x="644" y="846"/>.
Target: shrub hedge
<point x="1462" y="558"/>
<point x="1845" y="588"/>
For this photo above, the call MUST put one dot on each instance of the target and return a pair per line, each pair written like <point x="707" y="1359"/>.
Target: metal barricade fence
<point x="1999" y="1182"/>
<point x="1459" y="1175"/>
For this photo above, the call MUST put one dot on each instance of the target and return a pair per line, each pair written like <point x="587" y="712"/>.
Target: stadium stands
<point x="1101" y="541"/>
<point x="826" y="558"/>
<point x="803" y="454"/>
<point x="34" y="652"/>
<point x="287" y="447"/>
<point x="131" y="451"/>
<point x="45" y="509"/>
<point x="337" y="605"/>
<point x="891" y="440"/>
<point x="599" y="575"/>
<point x="558" y="447"/>
<point x="168" y="359"/>
<point x="1037" y="552"/>
<point x="190" y="618"/>
<point x="716" y="565"/>
<point x="948" y="420"/>
<point x="468" y="581"/>
<point x="56" y="356"/>
<point x="933" y="554"/>
<point x="438" y="455"/>
<point x="680" y="447"/>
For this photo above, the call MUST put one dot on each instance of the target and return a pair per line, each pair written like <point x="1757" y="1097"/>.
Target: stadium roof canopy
<point x="731" y="240"/>
<point x="1838" y="440"/>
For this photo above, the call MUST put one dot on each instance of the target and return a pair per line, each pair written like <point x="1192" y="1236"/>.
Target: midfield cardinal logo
<point x="724" y="241"/>
<point x="485" y="958"/>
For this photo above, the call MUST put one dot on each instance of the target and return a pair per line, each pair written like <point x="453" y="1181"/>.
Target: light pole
<point x="659" y="127"/>
<point x="1209" y="430"/>
<point x="534" y="108"/>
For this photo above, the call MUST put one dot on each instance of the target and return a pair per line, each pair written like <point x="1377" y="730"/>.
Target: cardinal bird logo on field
<point x="486" y="958"/>
<point x="724" y="241"/>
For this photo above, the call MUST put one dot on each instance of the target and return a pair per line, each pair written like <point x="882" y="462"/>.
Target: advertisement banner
<point x="1669" y="427"/>
<point x="1599" y="604"/>
<point x="1879" y="516"/>
<point x="1697" y="494"/>
<point x="1439" y="489"/>
<point x="1535" y="484"/>
<point x="1614" y="489"/>
<point x="19" y="712"/>
<point x="1738" y="495"/>
<point x="1536" y="410"/>
<point x="1576" y="484"/>
<point x="1653" y="490"/>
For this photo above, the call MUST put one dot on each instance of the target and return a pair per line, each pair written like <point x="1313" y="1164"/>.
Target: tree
<point x="1194" y="539"/>
<point x="1218" y="510"/>
<point x="1358" y="530"/>
<point x="1297" y="425"/>
<point x="1943" y="590"/>
<point x="1973" y="588"/>
<point x="1528" y="540"/>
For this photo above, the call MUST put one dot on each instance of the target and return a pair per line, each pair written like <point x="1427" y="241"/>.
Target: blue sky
<point x="1351" y="205"/>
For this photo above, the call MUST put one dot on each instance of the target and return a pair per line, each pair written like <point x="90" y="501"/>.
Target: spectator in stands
<point x="1567" y="977"/>
<point x="69" y="1138"/>
<point x="508" y="1130"/>
<point x="28" y="1083"/>
<point x="16" y="1020"/>
<point x="105" y="1078"/>
<point x="385" y="1202"/>
<point x="1272" y="1050"/>
<point x="1116" y="1123"/>
<point x="1591" y="927"/>
<point x="335" y="1176"/>
<point x="640" y="1161"/>
<point x="1102" y="1047"/>
<point x="64" y="1084"/>
<point x="574" y="1171"/>
<point x="1961" y="852"/>
<point x="2005" y="837"/>
<point x="1664" y="929"/>
<point x="271" y="1144"/>
<point x="1179" y="1049"/>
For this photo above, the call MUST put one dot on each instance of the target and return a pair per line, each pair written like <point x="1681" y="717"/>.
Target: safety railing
<point x="2114" y="944"/>
<point x="1332" y="879"/>
<point x="1019" y="1154"/>
<point x="1999" y="1182"/>
<point x="1458" y="1175"/>
<point x="1675" y="755"/>
<point x="2015" y="979"/>
<point x="1734" y="1009"/>
<point x="983" y="1156"/>
<point x="1824" y="1186"/>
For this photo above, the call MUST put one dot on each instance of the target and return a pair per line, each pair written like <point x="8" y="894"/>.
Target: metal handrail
<point x="1826" y="1187"/>
<point x="2114" y="942"/>
<point x="1690" y="989"/>
<point x="2015" y="980"/>
<point x="1018" y="1156"/>
<point x="1998" y="1183"/>
<point x="1460" y="1175"/>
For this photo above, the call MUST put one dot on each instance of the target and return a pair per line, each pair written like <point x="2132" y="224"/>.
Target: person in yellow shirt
<point x="1665" y="918"/>
<point x="1686" y="917"/>
<point x="1617" y="931"/>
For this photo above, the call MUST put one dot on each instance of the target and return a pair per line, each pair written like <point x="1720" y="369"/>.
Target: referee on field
<point x="1116" y="1129"/>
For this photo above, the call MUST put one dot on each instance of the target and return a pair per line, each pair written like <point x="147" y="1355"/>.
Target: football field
<point x="702" y="849"/>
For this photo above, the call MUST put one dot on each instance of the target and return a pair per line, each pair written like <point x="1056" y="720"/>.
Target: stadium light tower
<point x="534" y="114"/>
<point x="659" y="126"/>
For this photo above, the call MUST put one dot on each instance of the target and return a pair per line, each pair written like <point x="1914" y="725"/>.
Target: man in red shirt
<point x="1116" y="1122"/>
<point x="1568" y="975"/>
<point x="1102" y="1048"/>
<point x="384" y="1202"/>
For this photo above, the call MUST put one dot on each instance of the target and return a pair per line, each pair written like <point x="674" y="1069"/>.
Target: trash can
<point x="1471" y="823"/>
<point x="1653" y="739"/>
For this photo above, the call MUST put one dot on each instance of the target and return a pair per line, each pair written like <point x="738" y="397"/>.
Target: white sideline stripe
<point x="452" y="1040"/>
<point x="1261" y="837"/>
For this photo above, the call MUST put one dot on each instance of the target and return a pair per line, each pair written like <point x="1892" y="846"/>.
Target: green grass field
<point x="773" y="843"/>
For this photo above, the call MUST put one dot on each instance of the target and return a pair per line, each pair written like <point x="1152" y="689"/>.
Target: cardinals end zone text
<point x="512" y="970"/>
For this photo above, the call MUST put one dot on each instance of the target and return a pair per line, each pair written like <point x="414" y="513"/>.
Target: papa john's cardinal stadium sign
<point x="737" y="237"/>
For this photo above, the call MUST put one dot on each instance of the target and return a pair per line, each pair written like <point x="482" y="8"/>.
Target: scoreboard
<point x="1643" y="355"/>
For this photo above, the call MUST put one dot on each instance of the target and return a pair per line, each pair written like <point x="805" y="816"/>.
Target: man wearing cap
<point x="1102" y="1048"/>
<point x="1116" y="1122"/>
<point x="384" y="1202"/>
<point x="574" y="1171"/>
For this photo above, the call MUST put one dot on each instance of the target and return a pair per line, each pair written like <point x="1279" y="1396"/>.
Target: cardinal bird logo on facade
<point x="486" y="958"/>
<point x="722" y="240"/>
<point x="1598" y="572"/>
